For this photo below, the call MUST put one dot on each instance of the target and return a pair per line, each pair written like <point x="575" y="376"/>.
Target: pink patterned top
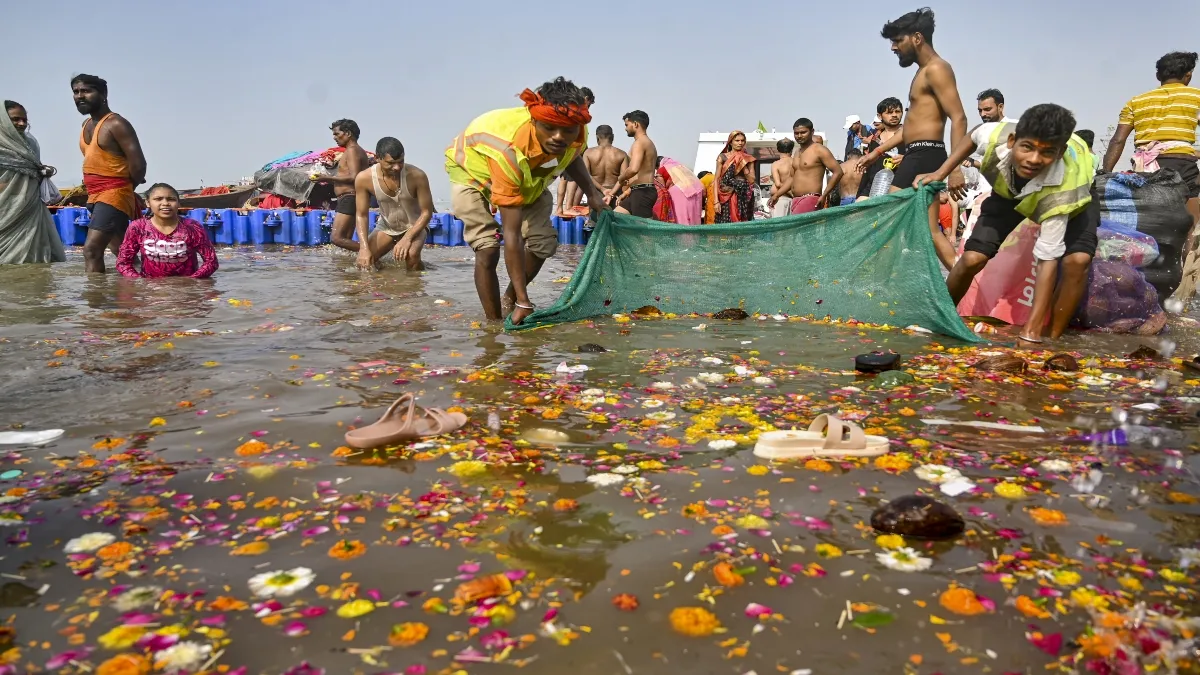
<point x="167" y="255"/>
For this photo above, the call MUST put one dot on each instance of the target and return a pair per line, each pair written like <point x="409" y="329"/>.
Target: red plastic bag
<point x="1004" y="289"/>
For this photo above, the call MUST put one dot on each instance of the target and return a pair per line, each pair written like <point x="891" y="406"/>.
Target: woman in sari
<point x="707" y="209"/>
<point x="735" y="182"/>
<point x="684" y="191"/>
<point x="27" y="233"/>
<point x="664" y="206"/>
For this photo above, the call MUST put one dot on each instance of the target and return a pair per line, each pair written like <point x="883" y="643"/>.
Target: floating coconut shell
<point x="646" y="312"/>
<point x="918" y="517"/>
<point x="591" y="347"/>
<point x="1004" y="363"/>
<point x="1064" y="363"/>
<point x="732" y="314"/>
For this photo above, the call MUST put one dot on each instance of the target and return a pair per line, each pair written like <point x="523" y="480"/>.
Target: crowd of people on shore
<point x="1038" y="167"/>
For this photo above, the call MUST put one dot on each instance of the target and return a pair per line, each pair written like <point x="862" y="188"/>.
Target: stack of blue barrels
<point x="232" y="227"/>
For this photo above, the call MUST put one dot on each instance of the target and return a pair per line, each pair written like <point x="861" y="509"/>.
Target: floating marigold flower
<point x="343" y="451"/>
<point x="125" y="664"/>
<point x="251" y="448"/>
<point x="356" y="608"/>
<point x="1048" y="517"/>
<point x="962" y="601"/>
<point x="108" y="443"/>
<point x="625" y="602"/>
<point x="897" y="463"/>
<point x="565" y="504"/>
<point x="694" y="621"/>
<point x="727" y="576"/>
<point x="694" y="510"/>
<point x="722" y="530"/>
<point x="347" y="550"/>
<point x="118" y="550"/>
<point x="252" y="548"/>
<point x="828" y="551"/>
<point x="1031" y="609"/>
<point x="1100" y="645"/>
<point x="407" y="634"/>
<point x="121" y="637"/>
<point x="468" y="468"/>
<point x="758" y="470"/>
<point x="491" y="586"/>
<point x="1010" y="490"/>
<point x="889" y="541"/>
<point x="818" y="465"/>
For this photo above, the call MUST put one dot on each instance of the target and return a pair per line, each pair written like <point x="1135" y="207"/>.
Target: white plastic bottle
<point x="882" y="182"/>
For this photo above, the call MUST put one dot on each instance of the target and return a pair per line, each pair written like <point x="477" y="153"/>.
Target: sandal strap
<point x="408" y="398"/>
<point x="442" y="420"/>
<point x="839" y="434"/>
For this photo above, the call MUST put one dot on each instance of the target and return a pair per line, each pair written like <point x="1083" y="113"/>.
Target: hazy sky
<point x="217" y="89"/>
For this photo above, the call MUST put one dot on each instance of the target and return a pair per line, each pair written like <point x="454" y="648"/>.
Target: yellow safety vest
<point x="1068" y="198"/>
<point x="490" y="136"/>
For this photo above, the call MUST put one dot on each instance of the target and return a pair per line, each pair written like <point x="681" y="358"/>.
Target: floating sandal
<point x="30" y="437"/>
<point x="828" y="436"/>
<point x="392" y="429"/>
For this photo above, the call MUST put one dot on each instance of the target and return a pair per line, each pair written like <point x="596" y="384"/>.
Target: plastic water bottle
<point x="882" y="182"/>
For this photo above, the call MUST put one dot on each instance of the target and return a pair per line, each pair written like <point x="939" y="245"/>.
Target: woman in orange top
<point x="735" y="182"/>
<point x="113" y="165"/>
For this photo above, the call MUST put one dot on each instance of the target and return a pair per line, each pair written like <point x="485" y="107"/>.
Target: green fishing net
<point x="872" y="261"/>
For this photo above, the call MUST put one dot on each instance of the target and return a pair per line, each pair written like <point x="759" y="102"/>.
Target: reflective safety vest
<point x="1067" y="198"/>
<point x="490" y="136"/>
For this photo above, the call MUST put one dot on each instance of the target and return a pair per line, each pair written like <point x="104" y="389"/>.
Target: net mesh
<point x="872" y="261"/>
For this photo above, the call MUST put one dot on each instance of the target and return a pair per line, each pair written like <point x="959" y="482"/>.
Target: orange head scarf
<point x="558" y="115"/>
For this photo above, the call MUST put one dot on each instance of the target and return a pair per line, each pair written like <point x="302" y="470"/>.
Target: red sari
<point x="664" y="207"/>
<point x="736" y="203"/>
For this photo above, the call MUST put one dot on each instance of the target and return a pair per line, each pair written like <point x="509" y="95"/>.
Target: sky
<point x="217" y="89"/>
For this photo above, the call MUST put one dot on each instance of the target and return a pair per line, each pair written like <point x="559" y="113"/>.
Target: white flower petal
<point x="605" y="479"/>
<point x="89" y="542"/>
<point x="722" y="444"/>
<point x="904" y="559"/>
<point x="281" y="583"/>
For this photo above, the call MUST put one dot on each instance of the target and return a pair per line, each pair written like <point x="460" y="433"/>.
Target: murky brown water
<point x="290" y="347"/>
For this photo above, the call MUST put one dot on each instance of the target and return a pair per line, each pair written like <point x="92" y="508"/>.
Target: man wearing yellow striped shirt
<point x="1163" y="122"/>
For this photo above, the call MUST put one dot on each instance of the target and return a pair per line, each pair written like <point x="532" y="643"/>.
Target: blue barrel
<point x="64" y="222"/>
<point x="80" y="222"/>
<point x="317" y="227"/>
<point x="372" y="216"/>
<point x="456" y="231"/>
<point x="297" y="229"/>
<point x="439" y="230"/>
<point x="577" y="225"/>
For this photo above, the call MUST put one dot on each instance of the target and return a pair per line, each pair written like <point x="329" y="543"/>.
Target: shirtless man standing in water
<point x="353" y="162"/>
<point x="781" y="179"/>
<point x="810" y="160"/>
<point x="639" y="173"/>
<point x="932" y="98"/>
<point x="605" y="162"/>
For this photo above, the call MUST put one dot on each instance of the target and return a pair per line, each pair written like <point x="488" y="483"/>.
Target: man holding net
<point x="506" y="158"/>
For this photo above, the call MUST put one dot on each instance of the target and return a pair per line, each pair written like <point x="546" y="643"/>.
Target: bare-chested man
<point x="781" y="178"/>
<point x="113" y="165"/>
<point x="810" y="161"/>
<point x="848" y="188"/>
<point x="569" y="194"/>
<point x="890" y="111"/>
<point x="405" y="207"/>
<point x="605" y="162"/>
<point x="353" y="162"/>
<point x="932" y="99"/>
<point x="639" y="173"/>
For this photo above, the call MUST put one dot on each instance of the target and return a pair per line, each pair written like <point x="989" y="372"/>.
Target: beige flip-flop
<point x="393" y="428"/>
<point x="828" y="436"/>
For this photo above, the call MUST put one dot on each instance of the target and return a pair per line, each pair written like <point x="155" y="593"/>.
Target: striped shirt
<point x="1168" y="113"/>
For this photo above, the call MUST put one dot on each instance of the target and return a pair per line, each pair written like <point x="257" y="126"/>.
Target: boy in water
<point x="1038" y="170"/>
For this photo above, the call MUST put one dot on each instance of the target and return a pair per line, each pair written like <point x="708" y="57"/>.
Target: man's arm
<point x="945" y="90"/>
<point x="362" y="216"/>
<point x="127" y="140"/>
<point x="420" y="183"/>
<point x="835" y="169"/>
<point x="956" y="157"/>
<point x="356" y="161"/>
<point x="1116" y="145"/>
<point x="628" y="170"/>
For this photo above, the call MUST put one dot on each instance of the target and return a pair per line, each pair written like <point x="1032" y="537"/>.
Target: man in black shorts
<point x="1038" y="170"/>
<point x="639" y="175"/>
<point x="353" y="162"/>
<point x="932" y="99"/>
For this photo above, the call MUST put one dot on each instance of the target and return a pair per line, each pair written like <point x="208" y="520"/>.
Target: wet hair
<point x="803" y="122"/>
<point x="889" y="103"/>
<point x="348" y="126"/>
<point x="587" y="93"/>
<point x="161" y="186"/>
<point x="920" y="21"/>
<point x="1175" y="66"/>
<point x="993" y="94"/>
<point x="604" y="131"/>
<point x="1048" y="123"/>
<point x="97" y="83"/>
<point x="391" y="147"/>
<point x="561" y="92"/>
<point x="702" y="174"/>
<point x="1087" y="135"/>
<point x="638" y="117"/>
<point x="785" y="146"/>
<point x="854" y="152"/>
<point x="10" y="105"/>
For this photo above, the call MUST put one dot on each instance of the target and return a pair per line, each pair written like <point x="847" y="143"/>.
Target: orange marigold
<point x="347" y="550"/>
<point x="407" y="634"/>
<point x="1101" y="645"/>
<point x="818" y="465"/>
<point x="108" y="444"/>
<point x="252" y="548"/>
<point x="125" y="664"/>
<point x="727" y="576"/>
<point x="491" y="586"/>
<point x="694" y="510"/>
<point x="118" y="550"/>
<point x="961" y="601"/>
<point x="565" y="505"/>
<point x="1031" y="609"/>
<point x="251" y="448"/>
<point x="722" y="530"/>
<point x="893" y="463"/>
<point x="1048" y="517"/>
<point x="694" y="621"/>
<point x="625" y="602"/>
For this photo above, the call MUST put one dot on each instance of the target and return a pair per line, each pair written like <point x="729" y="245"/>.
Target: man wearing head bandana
<point x="505" y="159"/>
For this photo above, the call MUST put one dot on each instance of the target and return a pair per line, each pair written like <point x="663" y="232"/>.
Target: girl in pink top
<point x="168" y="245"/>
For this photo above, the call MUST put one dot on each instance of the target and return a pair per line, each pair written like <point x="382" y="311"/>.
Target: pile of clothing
<point x="289" y="176"/>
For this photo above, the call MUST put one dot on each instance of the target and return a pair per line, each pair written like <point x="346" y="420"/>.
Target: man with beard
<point x="639" y="175"/>
<point x="113" y="165"/>
<point x="932" y="99"/>
<point x="353" y="162"/>
<point x="890" y="111"/>
<point x="810" y="161"/>
<point x="405" y="208"/>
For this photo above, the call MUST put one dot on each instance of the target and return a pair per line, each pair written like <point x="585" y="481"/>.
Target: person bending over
<point x="168" y="245"/>
<point x="1042" y="171"/>
<point x="405" y="208"/>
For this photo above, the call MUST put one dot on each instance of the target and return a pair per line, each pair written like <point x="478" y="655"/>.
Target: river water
<point x="201" y="416"/>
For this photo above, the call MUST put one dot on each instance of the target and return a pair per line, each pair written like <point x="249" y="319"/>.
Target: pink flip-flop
<point x="393" y="428"/>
